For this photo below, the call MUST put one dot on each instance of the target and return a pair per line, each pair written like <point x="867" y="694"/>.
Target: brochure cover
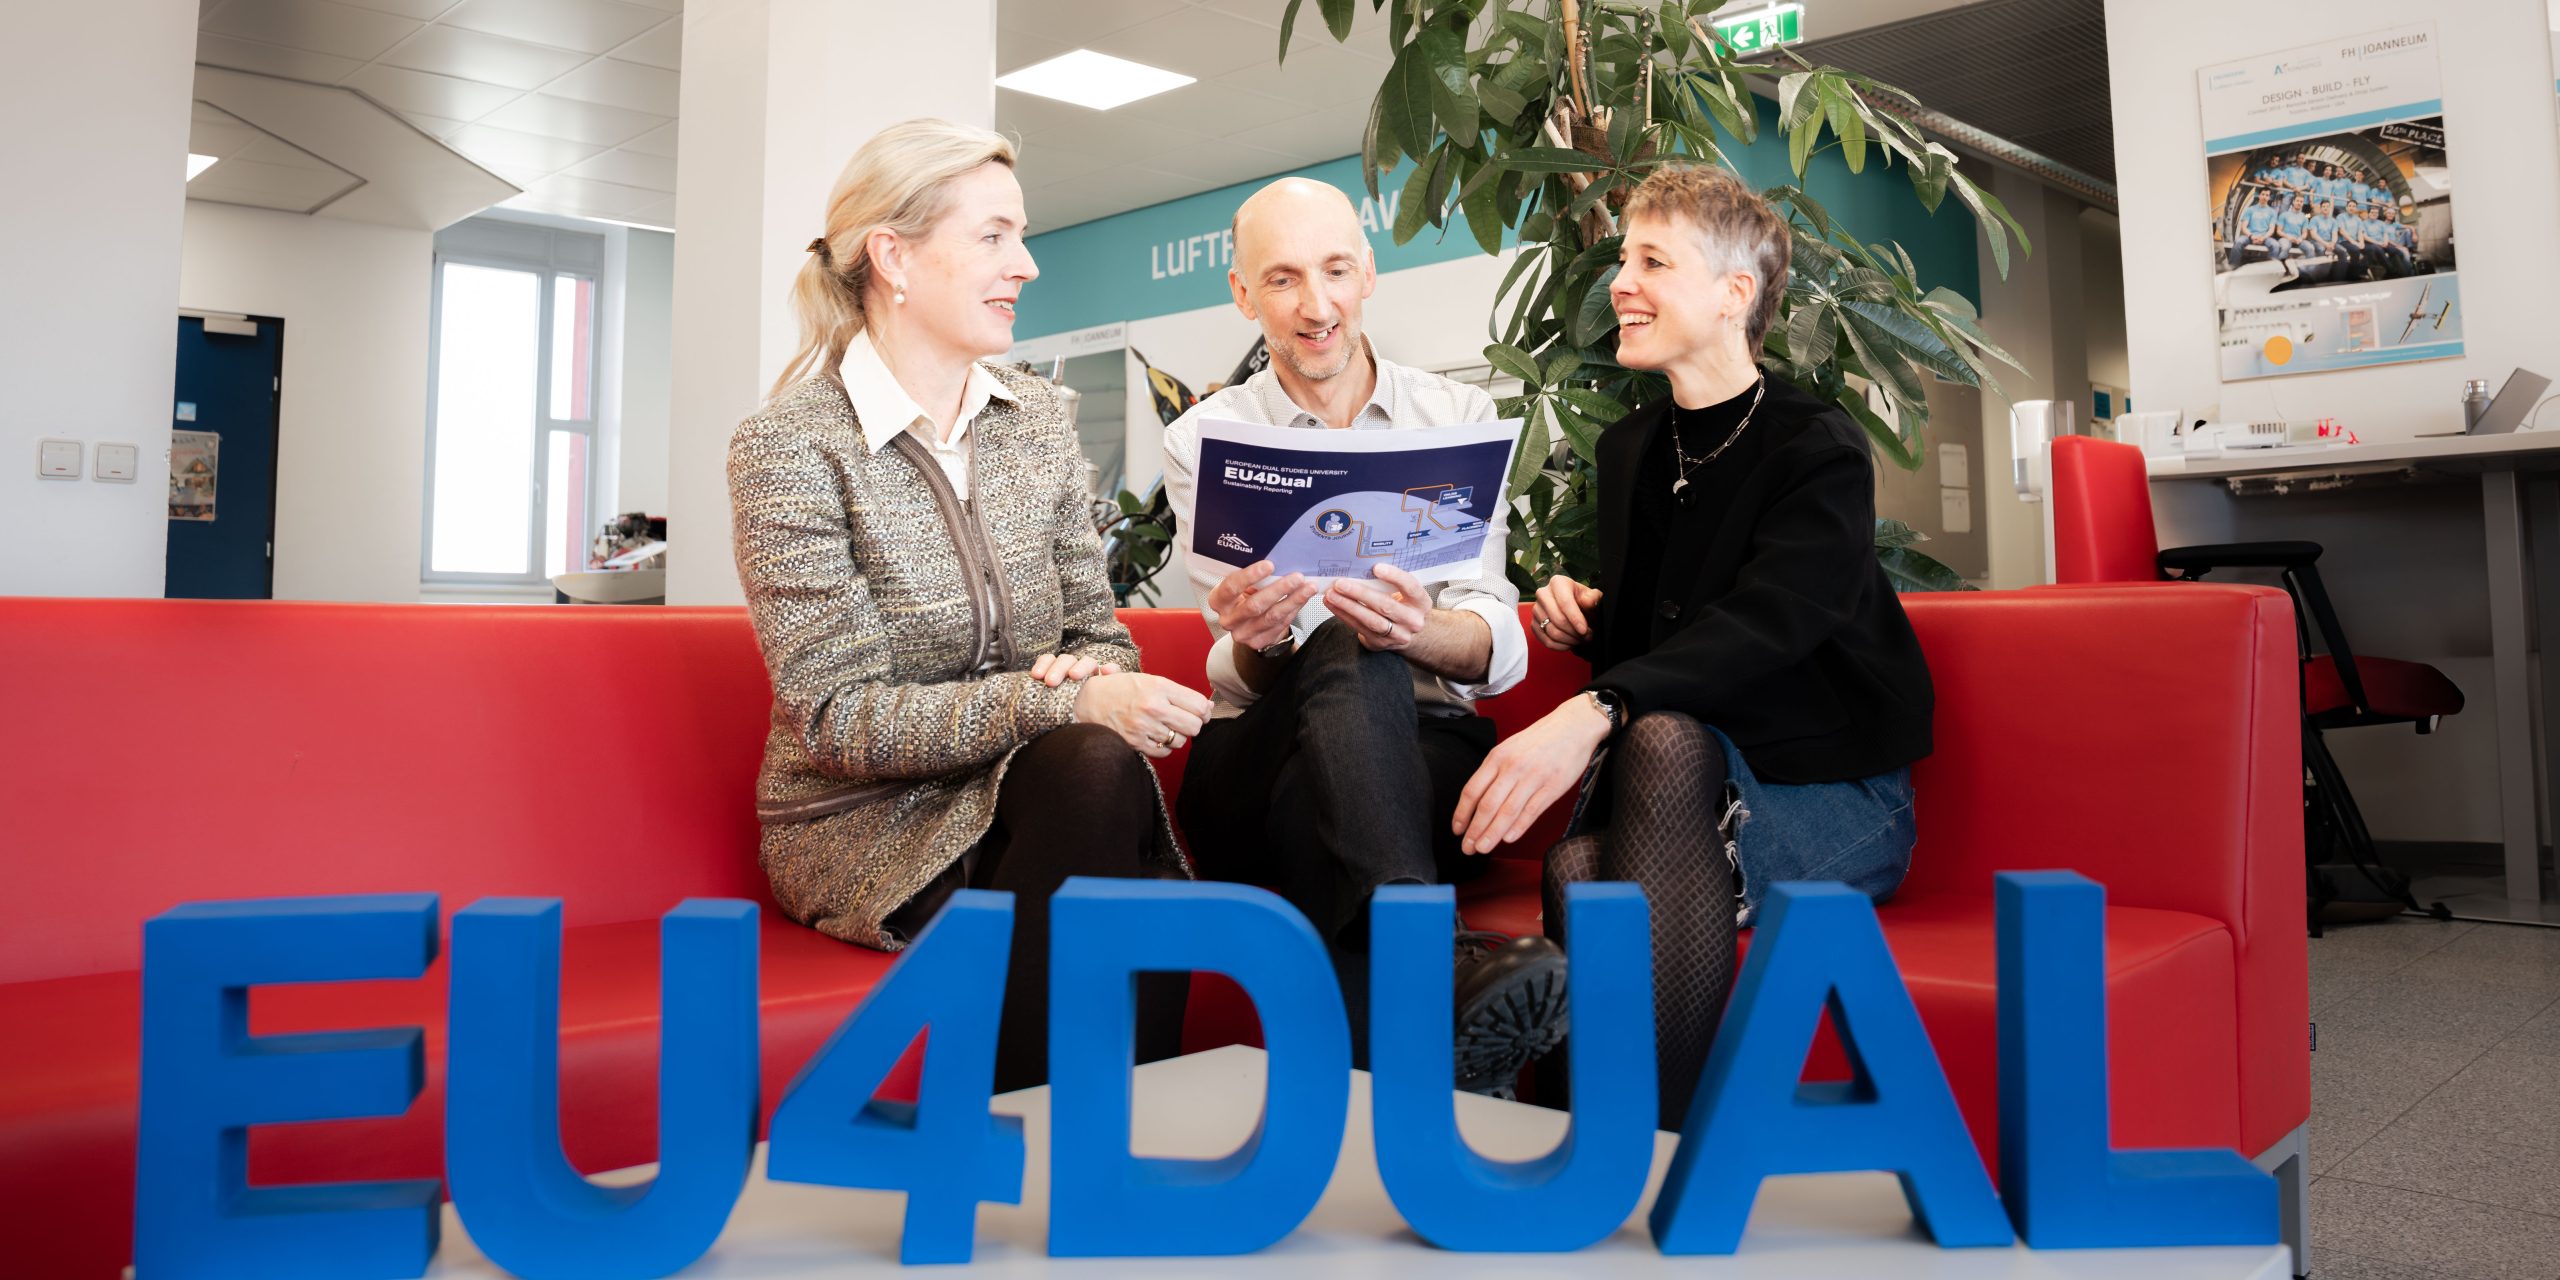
<point x="1330" y="504"/>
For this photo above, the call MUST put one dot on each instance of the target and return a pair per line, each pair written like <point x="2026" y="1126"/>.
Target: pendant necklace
<point x="1689" y="465"/>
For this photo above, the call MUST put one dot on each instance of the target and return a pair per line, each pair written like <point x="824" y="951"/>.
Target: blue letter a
<point x="1105" y="1202"/>
<point x="1752" y="1117"/>
<point x="525" y="1207"/>
<point x="2065" y="1188"/>
<point x="1572" y="1196"/>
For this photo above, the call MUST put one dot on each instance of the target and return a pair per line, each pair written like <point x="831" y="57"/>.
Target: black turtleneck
<point x="1654" y="512"/>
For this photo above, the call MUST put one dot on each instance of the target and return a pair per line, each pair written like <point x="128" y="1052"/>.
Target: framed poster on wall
<point x="2331" y="206"/>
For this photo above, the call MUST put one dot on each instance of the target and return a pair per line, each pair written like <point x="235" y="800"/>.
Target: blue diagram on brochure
<point x="1414" y="530"/>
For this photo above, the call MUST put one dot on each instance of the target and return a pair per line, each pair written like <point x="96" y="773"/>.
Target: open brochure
<point x="1331" y="504"/>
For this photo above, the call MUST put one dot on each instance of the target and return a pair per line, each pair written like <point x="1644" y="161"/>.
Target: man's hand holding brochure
<point x="1335" y="504"/>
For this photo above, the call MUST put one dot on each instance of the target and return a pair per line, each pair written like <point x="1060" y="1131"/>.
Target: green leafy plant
<point x="1137" y="536"/>
<point x="1544" y="117"/>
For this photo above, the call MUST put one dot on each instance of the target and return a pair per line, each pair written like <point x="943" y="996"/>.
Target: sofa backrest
<point x="154" y="752"/>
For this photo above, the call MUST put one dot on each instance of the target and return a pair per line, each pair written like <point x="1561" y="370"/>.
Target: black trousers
<point x="1077" y="801"/>
<point x="1331" y="784"/>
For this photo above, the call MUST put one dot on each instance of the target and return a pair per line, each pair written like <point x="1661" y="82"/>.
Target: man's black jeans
<point x="1331" y="784"/>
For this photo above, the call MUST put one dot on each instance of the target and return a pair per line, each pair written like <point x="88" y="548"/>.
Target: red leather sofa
<point x="156" y="752"/>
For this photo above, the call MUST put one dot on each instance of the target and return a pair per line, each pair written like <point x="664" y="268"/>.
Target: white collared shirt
<point x="884" y="409"/>
<point x="1403" y="397"/>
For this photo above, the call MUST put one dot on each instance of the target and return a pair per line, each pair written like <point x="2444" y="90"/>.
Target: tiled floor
<point x="2435" y="1101"/>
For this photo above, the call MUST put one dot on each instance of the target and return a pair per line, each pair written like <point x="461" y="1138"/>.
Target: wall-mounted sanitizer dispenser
<point x="2033" y="427"/>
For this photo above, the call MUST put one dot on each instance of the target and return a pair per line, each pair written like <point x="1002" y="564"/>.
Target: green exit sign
<point x="1762" y="29"/>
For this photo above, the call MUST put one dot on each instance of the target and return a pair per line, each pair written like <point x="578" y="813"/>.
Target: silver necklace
<point x="1689" y="465"/>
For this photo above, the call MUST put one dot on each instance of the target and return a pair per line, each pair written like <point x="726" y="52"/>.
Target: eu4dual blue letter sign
<point x="205" y="1080"/>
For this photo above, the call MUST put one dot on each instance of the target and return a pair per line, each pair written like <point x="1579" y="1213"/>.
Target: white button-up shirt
<point x="884" y="409"/>
<point x="1403" y="397"/>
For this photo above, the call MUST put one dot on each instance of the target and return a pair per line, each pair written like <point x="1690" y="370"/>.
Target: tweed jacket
<point x="874" y="589"/>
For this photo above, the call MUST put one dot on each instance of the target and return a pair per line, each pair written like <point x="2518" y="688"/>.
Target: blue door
<point x="228" y="383"/>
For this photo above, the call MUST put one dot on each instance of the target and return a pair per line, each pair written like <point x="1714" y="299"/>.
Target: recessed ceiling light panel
<point x="1095" y="80"/>
<point x="197" y="164"/>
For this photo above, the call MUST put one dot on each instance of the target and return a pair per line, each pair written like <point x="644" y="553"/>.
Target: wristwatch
<point x="1280" y="648"/>
<point x="1607" y="704"/>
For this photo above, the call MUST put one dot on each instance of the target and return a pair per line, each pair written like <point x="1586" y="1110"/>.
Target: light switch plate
<point x="58" y="459"/>
<point x="116" y="462"/>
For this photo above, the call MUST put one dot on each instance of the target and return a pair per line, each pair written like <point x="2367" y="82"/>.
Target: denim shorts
<point x="1859" y="833"/>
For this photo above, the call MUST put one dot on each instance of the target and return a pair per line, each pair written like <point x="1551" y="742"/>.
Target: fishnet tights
<point x="1666" y="835"/>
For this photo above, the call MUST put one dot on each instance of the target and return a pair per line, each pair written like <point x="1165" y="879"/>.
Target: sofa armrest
<point x="2151" y="740"/>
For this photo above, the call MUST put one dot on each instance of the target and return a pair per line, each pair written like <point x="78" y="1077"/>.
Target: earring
<point x="900" y="297"/>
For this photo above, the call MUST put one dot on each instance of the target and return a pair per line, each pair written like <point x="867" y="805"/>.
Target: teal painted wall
<point x="1173" y="256"/>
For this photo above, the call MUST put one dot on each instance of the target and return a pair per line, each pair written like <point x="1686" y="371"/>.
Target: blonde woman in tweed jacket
<point x="949" y="678"/>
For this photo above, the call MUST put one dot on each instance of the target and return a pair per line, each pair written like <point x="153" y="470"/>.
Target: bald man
<point x="1345" y="724"/>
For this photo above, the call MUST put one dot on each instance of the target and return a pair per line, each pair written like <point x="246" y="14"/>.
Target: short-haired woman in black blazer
<point x="1757" y="687"/>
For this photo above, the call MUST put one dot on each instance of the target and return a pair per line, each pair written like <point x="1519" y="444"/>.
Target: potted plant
<point x="1544" y="117"/>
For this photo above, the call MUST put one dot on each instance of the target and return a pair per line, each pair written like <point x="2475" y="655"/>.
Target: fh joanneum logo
<point x="1234" y="543"/>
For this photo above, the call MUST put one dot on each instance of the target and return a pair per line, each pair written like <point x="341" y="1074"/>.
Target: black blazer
<point x="1772" y="620"/>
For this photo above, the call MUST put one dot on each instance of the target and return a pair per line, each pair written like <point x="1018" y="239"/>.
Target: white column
<point x="2037" y="315"/>
<point x="778" y="94"/>
<point x="96" y="94"/>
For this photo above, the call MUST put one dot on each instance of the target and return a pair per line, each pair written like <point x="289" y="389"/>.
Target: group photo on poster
<point x="2332" y="207"/>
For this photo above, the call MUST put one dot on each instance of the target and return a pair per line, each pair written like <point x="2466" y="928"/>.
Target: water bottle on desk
<point x="2475" y="402"/>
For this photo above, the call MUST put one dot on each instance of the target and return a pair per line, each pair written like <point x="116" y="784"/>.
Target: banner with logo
<point x="2332" y="206"/>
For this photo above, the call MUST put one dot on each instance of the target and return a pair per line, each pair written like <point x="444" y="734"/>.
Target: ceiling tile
<point x="661" y="214"/>
<point x="315" y="26"/>
<point x="662" y="46"/>
<point x="1215" y="108"/>
<point x="660" y="141"/>
<point x="615" y="83"/>
<point x="221" y="135"/>
<point x="1195" y="42"/>
<point x="629" y="168"/>
<point x="1130" y="141"/>
<point x="470" y="55"/>
<point x="1078" y="21"/>
<point x="271" y="186"/>
<point x="284" y="155"/>
<point x="1027" y="114"/>
<point x="1321" y="73"/>
<point x="1043" y="164"/>
<point x="437" y="126"/>
<point x="569" y="118"/>
<point x="493" y="146"/>
<point x="1017" y="48"/>
<point x="1310" y="19"/>
<point x="588" y="26"/>
<point x="516" y="176"/>
<point x="1323" y="135"/>
<point x="607" y="198"/>
<point x="271" y="60"/>
<point x="404" y="90"/>
<point x="1228" y="163"/>
<point x="422" y="10"/>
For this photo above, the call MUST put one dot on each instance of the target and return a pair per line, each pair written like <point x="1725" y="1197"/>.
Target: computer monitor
<point x="2523" y="391"/>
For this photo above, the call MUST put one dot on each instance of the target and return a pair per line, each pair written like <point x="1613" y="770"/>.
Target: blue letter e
<point x="205" y="1080"/>
<point x="1105" y="1202"/>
